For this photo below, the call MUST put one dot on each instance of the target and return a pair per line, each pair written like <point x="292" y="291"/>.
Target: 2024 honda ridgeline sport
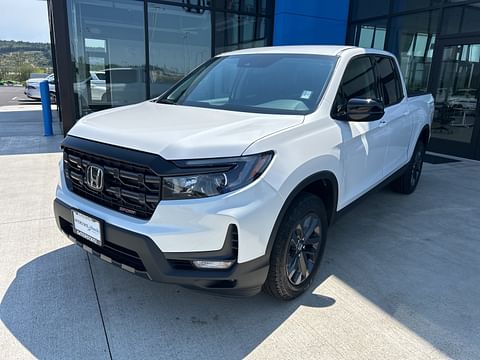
<point x="229" y="181"/>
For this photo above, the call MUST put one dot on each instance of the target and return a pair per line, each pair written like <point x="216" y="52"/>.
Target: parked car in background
<point x="463" y="99"/>
<point x="96" y="81"/>
<point x="229" y="180"/>
<point x="97" y="85"/>
<point x="32" y="88"/>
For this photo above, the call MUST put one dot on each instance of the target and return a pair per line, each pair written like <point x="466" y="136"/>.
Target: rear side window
<point x="358" y="82"/>
<point x="389" y="82"/>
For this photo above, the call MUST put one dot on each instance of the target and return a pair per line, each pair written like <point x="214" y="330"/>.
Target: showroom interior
<point x="110" y="53"/>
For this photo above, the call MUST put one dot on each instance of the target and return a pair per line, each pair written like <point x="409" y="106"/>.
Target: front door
<point x="364" y="144"/>
<point x="456" y="88"/>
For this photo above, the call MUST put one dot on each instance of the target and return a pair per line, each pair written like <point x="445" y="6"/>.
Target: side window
<point x="358" y="81"/>
<point x="398" y="80"/>
<point x="389" y="82"/>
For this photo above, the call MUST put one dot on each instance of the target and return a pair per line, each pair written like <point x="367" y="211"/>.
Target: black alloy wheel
<point x="298" y="248"/>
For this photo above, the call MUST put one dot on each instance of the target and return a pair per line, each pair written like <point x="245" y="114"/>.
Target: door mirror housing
<point x="363" y="110"/>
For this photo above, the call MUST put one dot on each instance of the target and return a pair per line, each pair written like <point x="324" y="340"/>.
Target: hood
<point x="35" y="80"/>
<point x="180" y="132"/>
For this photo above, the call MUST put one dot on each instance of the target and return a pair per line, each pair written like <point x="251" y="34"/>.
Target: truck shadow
<point x="51" y="309"/>
<point x="388" y="250"/>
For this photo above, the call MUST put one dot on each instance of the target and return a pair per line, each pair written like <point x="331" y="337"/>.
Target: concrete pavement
<point x="9" y="95"/>
<point x="399" y="280"/>
<point x="21" y="130"/>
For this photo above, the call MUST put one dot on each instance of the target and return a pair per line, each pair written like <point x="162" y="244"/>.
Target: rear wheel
<point x="298" y="248"/>
<point x="408" y="181"/>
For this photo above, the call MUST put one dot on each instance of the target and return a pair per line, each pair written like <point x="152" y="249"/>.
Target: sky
<point x="25" y="20"/>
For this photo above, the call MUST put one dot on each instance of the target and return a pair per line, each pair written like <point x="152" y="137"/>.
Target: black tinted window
<point x="358" y="82"/>
<point x="388" y="81"/>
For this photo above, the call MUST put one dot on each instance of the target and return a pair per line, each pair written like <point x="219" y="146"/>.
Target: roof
<point x="332" y="50"/>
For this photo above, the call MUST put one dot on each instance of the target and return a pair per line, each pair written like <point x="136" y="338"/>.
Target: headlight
<point x="212" y="177"/>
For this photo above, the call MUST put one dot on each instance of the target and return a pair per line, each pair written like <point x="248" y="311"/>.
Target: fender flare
<point x="319" y="176"/>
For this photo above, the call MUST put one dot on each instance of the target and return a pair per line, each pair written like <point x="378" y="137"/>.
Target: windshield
<point x="264" y="83"/>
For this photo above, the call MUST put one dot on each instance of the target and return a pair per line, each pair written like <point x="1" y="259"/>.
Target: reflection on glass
<point x="457" y="93"/>
<point x="461" y="19"/>
<point x="233" y="31"/>
<point x="412" y="40"/>
<point x="371" y="34"/>
<point x="180" y="39"/>
<point x="255" y="7"/>
<point x="108" y="53"/>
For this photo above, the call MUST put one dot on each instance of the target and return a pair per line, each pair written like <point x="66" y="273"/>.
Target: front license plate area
<point x="87" y="227"/>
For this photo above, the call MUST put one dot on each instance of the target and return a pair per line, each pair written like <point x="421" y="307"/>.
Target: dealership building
<point x="115" y="52"/>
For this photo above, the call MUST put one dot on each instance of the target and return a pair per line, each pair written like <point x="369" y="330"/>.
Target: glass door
<point x="456" y="88"/>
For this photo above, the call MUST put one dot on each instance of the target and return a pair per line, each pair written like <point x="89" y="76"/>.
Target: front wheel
<point x="408" y="181"/>
<point x="298" y="248"/>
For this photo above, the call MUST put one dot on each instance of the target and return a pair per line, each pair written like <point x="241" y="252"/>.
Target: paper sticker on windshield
<point x="306" y="94"/>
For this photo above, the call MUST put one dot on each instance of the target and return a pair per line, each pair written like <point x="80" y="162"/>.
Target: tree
<point x="24" y="71"/>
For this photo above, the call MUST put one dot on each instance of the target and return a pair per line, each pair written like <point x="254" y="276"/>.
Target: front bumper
<point x="33" y="93"/>
<point x="140" y="255"/>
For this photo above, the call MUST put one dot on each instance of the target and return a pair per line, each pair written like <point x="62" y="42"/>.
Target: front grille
<point x="129" y="188"/>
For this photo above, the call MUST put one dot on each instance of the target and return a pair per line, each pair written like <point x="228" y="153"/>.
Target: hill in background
<point x="18" y="59"/>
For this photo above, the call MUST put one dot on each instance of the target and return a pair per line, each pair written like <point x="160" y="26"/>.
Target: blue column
<point x="316" y="22"/>
<point x="46" y="108"/>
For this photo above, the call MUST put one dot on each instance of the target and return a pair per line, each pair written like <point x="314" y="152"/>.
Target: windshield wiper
<point x="166" y="101"/>
<point x="170" y="101"/>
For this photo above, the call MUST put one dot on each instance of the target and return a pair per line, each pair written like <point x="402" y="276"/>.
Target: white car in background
<point x="32" y="88"/>
<point x="97" y="86"/>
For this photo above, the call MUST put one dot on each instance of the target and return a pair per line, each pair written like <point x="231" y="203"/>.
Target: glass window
<point x="358" y="81"/>
<point x="108" y="53"/>
<point x="264" y="83"/>
<point x="361" y="9"/>
<point x="405" y="5"/>
<point x="204" y="3"/>
<point x="233" y="31"/>
<point x="388" y="81"/>
<point x="262" y="7"/>
<point x="180" y="39"/>
<point x="412" y="40"/>
<point x="227" y="5"/>
<point x="461" y="19"/>
<point x="457" y="96"/>
<point x="370" y="34"/>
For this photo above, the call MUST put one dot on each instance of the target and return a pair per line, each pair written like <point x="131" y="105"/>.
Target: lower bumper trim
<point x="138" y="254"/>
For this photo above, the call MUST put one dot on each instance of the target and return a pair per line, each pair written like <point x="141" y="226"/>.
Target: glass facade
<point x="437" y="45"/>
<point x="126" y="51"/>
<point x="179" y="40"/>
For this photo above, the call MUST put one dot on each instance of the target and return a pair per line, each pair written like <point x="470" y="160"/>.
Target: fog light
<point x="209" y="264"/>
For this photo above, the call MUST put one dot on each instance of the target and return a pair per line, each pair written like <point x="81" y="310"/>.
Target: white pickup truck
<point x="229" y="180"/>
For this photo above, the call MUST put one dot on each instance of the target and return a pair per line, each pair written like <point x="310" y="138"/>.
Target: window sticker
<point x="306" y="94"/>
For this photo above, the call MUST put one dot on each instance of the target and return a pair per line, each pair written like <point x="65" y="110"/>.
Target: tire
<point x="408" y="181"/>
<point x="296" y="256"/>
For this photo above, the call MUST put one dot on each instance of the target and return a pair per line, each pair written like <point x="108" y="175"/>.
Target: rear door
<point x="397" y="119"/>
<point x="364" y="144"/>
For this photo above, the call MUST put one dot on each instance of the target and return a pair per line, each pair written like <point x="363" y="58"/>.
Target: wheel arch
<point x="323" y="184"/>
<point x="425" y="134"/>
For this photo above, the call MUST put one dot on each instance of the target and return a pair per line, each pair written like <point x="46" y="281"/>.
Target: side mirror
<point x="361" y="110"/>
